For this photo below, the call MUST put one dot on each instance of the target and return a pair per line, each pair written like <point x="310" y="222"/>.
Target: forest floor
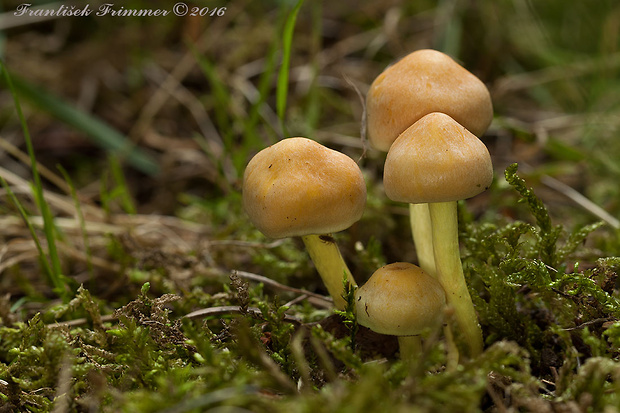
<point x="131" y="279"/>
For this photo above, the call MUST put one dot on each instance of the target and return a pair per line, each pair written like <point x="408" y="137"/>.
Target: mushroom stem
<point x="329" y="264"/>
<point x="410" y="348"/>
<point x="421" y="230"/>
<point x="450" y="273"/>
<point x="452" y="351"/>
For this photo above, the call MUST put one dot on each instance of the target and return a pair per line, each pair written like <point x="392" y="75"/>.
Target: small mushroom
<point x="401" y="299"/>
<point x="437" y="161"/>
<point x="298" y="187"/>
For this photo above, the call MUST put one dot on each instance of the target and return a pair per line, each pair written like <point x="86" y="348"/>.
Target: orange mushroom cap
<point x="400" y="299"/>
<point x="436" y="160"/>
<point x="299" y="187"/>
<point x="422" y="82"/>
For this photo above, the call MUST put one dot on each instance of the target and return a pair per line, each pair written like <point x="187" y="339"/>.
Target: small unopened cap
<point x="422" y="82"/>
<point x="299" y="187"/>
<point x="400" y="299"/>
<point x="436" y="160"/>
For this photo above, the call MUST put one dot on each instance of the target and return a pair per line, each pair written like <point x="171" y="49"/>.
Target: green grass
<point x="102" y="133"/>
<point x="283" y="74"/>
<point x="51" y="260"/>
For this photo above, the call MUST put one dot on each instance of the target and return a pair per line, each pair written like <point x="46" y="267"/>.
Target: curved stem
<point x="421" y="230"/>
<point x="410" y="349"/>
<point x="329" y="263"/>
<point x="450" y="273"/>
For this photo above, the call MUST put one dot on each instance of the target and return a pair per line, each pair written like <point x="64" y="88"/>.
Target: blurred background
<point x="142" y="126"/>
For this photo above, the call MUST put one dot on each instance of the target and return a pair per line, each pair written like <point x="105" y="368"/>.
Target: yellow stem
<point x="450" y="273"/>
<point x="410" y="349"/>
<point x="421" y="230"/>
<point x="329" y="263"/>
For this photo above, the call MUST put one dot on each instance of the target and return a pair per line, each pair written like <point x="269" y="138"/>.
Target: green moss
<point x="522" y="287"/>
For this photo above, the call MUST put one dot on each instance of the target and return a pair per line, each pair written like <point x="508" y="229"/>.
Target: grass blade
<point x="35" y="238"/>
<point x="98" y="131"/>
<point x="59" y="282"/>
<point x="283" y="75"/>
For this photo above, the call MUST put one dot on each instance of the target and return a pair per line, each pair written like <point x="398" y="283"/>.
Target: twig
<point x="175" y="89"/>
<point x="27" y="255"/>
<point x="561" y="72"/>
<point x="80" y="322"/>
<point x="232" y="309"/>
<point x="577" y="198"/>
<point x="202" y="313"/>
<point x="23" y="186"/>
<point x="363" y="120"/>
<point x="588" y="323"/>
<point x="580" y="200"/>
<point x="84" y="257"/>
<point x="275" y="284"/>
<point x="249" y="244"/>
<point x="43" y="170"/>
<point x="180" y="72"/>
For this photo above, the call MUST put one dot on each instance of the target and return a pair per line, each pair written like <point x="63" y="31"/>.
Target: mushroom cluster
<point x="437" y="162"/>
<point x="427" y="112"/>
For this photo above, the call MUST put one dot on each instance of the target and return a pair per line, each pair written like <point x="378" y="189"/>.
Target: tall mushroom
<point x="423" y="82"/>
<point x="298" y="187"/>
<point x="401" y="299"/>
<point x="437" y="161"/>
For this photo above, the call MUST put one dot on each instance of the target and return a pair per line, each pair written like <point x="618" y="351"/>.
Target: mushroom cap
<point x="436" y="160"/>
<point x="400" y="299"/>
<point x="299" y="187"/>
<point x="422" y="82"/>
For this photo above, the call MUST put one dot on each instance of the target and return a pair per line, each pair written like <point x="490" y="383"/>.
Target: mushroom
<point x="401" y="299"/>
<point x="423" y="82"/>
<point x="298" y="187"/>
<point x="437" y="161"/>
